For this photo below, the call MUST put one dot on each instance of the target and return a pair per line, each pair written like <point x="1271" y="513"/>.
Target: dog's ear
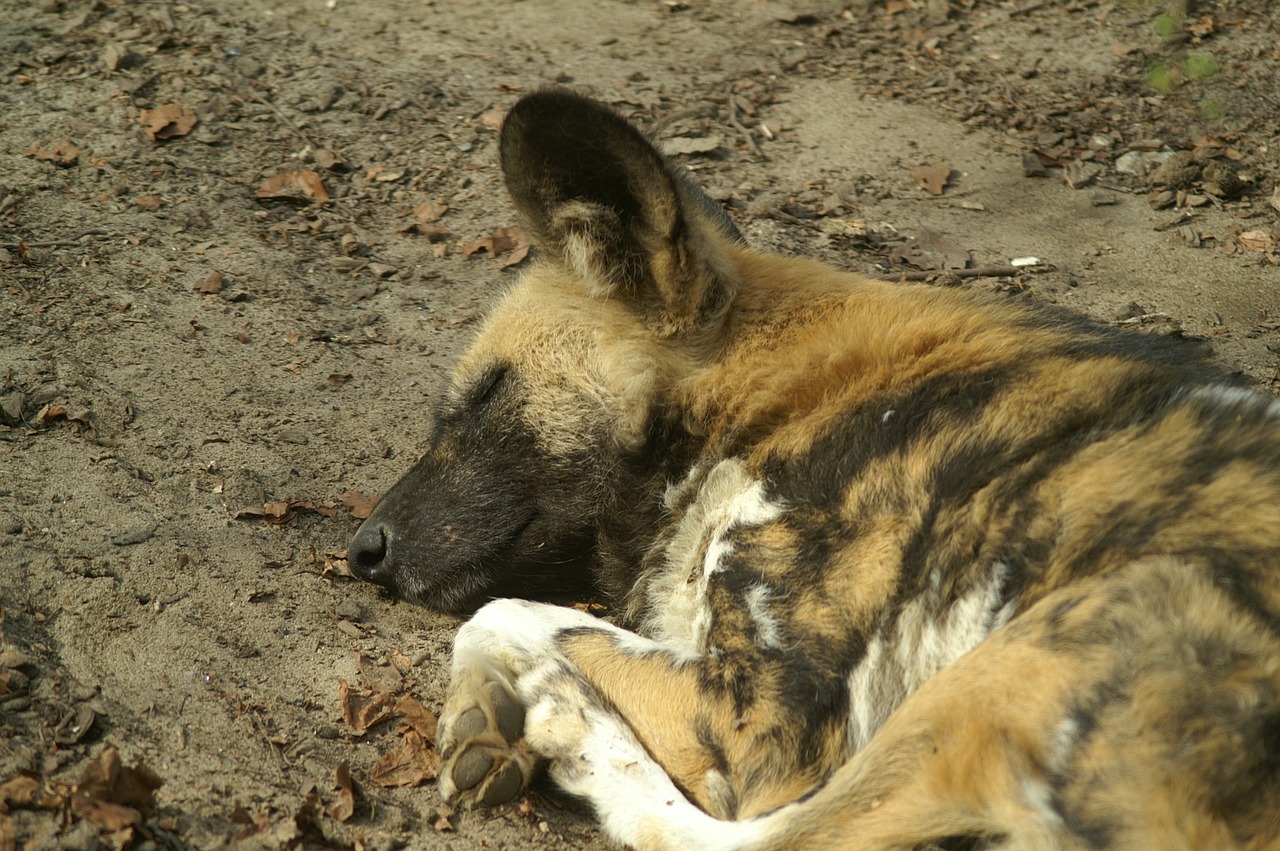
<point x="602" y="201"/>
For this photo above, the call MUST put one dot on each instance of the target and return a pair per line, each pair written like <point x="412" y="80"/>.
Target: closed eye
<point x="486" y="386"/>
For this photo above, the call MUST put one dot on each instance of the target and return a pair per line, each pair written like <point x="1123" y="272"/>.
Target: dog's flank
<point x="897" y="564"/>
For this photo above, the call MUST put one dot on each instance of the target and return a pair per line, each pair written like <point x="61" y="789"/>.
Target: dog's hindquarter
<point x="981" y="500"/>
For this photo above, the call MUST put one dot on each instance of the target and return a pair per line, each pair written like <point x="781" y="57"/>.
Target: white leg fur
<point x="592" y="752"/>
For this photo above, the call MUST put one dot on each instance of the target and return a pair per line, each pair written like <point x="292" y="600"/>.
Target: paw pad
<point x="485" y="760"/>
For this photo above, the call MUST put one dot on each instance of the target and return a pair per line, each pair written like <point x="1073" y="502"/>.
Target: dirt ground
<point x="241" y="242"/>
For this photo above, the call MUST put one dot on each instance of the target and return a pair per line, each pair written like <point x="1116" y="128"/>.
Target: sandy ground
<point x="243" y="241"/>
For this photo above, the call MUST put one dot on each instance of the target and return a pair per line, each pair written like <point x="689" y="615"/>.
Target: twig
<point x="257" y="98"/>
<point x="1025" y="10"/>
<point x="744" y="132"/>
<point x="55" y="243"/>
<point x="977" y="272"/>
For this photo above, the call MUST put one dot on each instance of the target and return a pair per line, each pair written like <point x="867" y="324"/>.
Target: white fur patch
<point x="901" y="656"/>
<point x="592" y="751"/>
<point x="1225" y="396"/>
<point x="635" y="800"/>
<point x="728" y="498"/>
<point x="768" y="630"/>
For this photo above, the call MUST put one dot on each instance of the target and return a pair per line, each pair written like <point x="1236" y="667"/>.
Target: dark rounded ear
<point x="600" y="199"/>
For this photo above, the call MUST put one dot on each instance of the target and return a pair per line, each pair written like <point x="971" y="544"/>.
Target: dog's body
<point x="901" y="564"/>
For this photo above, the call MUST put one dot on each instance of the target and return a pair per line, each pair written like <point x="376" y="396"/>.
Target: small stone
<point x="11" y="408"/>
<point x="1130" y="311"/>
<point x="135" y="533"/>
<point x="351" y="610"/>
<point x="1079" y="174"/>
<point x="350" y="629"/>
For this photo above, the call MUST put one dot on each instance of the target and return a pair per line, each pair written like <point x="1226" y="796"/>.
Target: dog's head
<point x="560" y="408"/>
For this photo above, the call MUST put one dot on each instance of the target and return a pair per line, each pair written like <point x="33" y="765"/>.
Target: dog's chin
<point x="460" y="593"/>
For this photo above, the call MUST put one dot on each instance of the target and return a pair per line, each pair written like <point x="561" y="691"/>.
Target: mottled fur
<point x="897" y="564"/>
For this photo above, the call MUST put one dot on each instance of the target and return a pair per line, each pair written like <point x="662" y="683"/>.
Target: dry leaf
<point x="499" y="242"/>
<point x="424" y="214"/>
<point x="167" y="122"/>
<point x="51" y="412"/>
<point x="337" y="379"/>
<point x="253" y="825"/>
<point x="429" y="211"/>
<point x="416" y="717"/>
<point x="411" y="764"/>
<point x="932" y="177"/>
<point x="345" y="806"/>
<point x="358" y="504"/>
<point x="62" y="152"/>
<point x="150" y="203"/>
<point x="18" y="791"/>
<point x="300" y="186"/>
<point x="517" y="255"/>
<point x="210" y="285"/>
<point x="1256" y="240"/>
<point x="931" y="252"/>
<point x="276" y="512"/>
<point x="363" y="708"/>
<point x="691" y="144"/>
<point x="113" y="796"/>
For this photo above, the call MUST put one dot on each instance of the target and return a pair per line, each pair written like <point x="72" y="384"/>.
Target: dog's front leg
<point x="517" y="697"/>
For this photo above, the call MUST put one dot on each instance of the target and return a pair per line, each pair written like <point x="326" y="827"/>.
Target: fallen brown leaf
<point x="499" y="242"/>
<point x="517" y="256"/>
<point x="51" y="412"/>
<point x="253" y="825"/>
<point x="114" y="797"/>
<point x="19" y="791"/>
<point x="411" y="764"/>
<point x="358" y="504"/>
<point x="300" y="186"/>
<point x="932" y="177"/>
<point x="167" y="122"/>
<point x="430" y="211"/>
<point x="416" y="717"/>
<point x="150" y="203"/>
<point x="62" y="152"/>
<point x="211" y="284"/>
<point x="1256" y="240"/>
<point x="424" y="214"/>
<point x="493" y="119"/>
<point x="363" y="708"/>
<point x="931" y="251"/>
<point x="345" y="806"/>
<point x="691" y="144"/>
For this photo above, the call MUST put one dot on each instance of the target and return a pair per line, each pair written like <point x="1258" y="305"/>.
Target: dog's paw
<point x="485" y="761"/>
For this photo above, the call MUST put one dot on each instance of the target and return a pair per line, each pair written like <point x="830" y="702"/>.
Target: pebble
<point x="135" y="533"/>
<point x="350" y="610"/>
<point x="1141" y="163"/>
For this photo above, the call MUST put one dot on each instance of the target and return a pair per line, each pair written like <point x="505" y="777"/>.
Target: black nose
<point x="367" y="555"/>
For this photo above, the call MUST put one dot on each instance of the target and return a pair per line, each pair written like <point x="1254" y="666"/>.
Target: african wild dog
<point x="897" y="564"/>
